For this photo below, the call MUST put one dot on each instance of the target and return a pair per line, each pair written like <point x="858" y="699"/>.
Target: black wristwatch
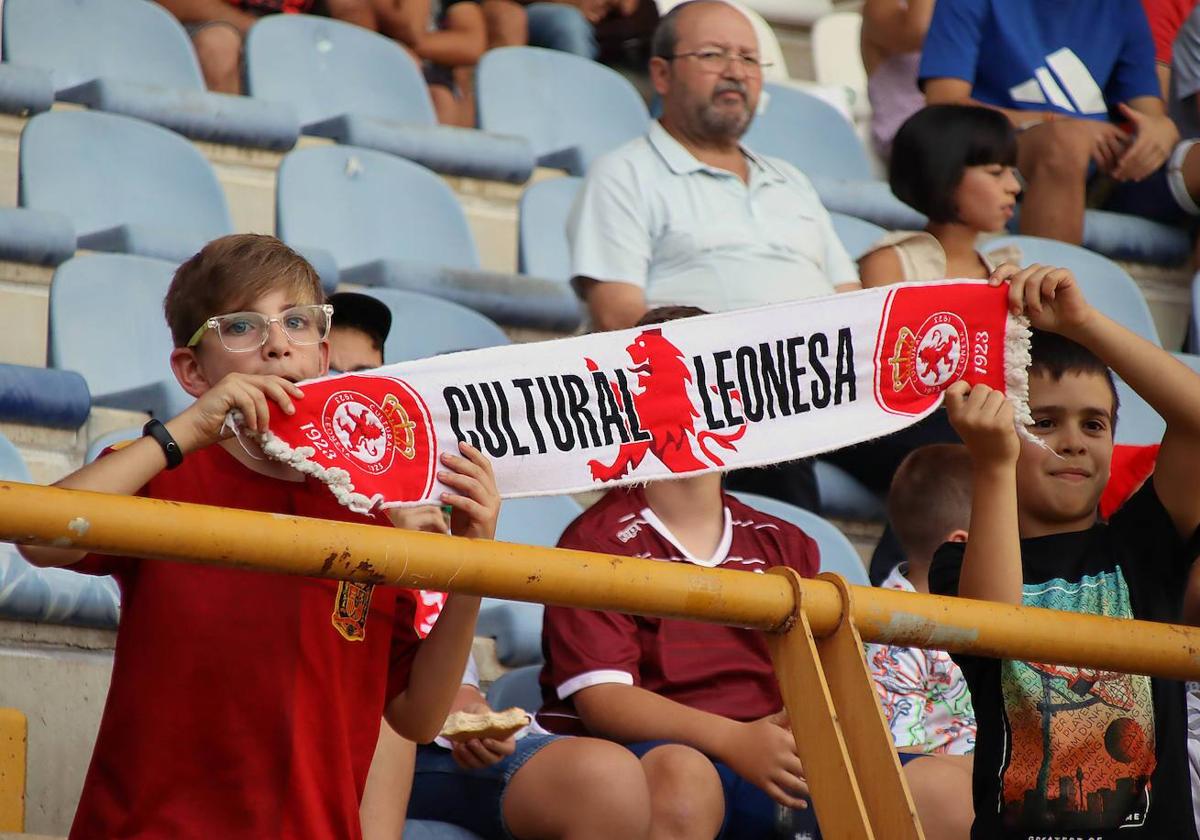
<point x="170" y="448"/>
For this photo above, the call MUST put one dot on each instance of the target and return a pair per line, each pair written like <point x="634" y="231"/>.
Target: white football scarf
<point x="718" y="392"/>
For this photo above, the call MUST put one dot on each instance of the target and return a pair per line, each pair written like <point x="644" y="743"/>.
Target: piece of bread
<point x="464" y="726"/>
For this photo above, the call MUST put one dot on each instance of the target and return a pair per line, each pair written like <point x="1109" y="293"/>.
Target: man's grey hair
<point x="666" y="35"/>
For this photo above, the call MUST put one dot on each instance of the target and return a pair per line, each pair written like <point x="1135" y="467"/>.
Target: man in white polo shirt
<point x="686" y="215"/>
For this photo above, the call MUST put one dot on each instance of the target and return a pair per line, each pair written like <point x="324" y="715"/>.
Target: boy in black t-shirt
<point x="1063" y="751"/>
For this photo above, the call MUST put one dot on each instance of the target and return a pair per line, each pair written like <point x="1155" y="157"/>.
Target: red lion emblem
<point x="932" y="355"/>
<point x="362" y="428"/>
<point x="665" y="410"/>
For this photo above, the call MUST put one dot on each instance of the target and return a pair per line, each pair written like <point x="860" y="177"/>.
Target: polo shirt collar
<point x="682" y="162"/>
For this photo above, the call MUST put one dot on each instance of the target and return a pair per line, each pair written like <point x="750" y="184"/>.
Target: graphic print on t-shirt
<point x="1082" y="740"/>
<point x="1077" y="83"/>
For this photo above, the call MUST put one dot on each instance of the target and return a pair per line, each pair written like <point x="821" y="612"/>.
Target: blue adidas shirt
<point x="1077" y="57"/>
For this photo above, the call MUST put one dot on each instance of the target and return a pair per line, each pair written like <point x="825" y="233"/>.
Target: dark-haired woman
<point x="957" y="165"/>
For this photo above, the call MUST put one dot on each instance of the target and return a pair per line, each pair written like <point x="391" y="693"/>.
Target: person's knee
<point x="1056" y="151"/>
<point x="507" y="23"/>
<point x="219" y="51"/>
<point x="599" y="785"/>
<point x="941" y="791"/>
<point x="684" y="786"/>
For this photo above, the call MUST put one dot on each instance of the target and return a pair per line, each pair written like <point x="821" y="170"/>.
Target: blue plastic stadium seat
<point x="1107" y="286"/>
<point x="812" y="136"/>
<point x="114" y="302"/>
<point x="518" y="687"/>
<point x="542" y="248"/>
<point x="49" y="595"/>
<point x="136" y="59"/>
<point x="515" y="625"/>
<point x="843" y="495"/>
<point x="35" y="236"/>
<point x="571" y="109"/>
<point x="1137" y="423"/>
<point x="837" y="553"/>
<point x="12" y="465"/>
<point x="391" y="222"/>
<point x="362" y="89"/>
<point x="510" y="299"/>
<point x="536" y="520"/>
<point x="25" y="90"/>
<point x="137" y="189"/>
<point x="104" y="441"/>
<point x="424" y="326"/>
<point x="870" y="200"/>
<point x="857" y="235"/>
<point x="1120" y="236"/>
<point x="32" y="396"/>
<point x="323" y="263"/>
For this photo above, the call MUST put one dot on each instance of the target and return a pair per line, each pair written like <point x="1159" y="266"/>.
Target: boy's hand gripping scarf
<point x="719" y="392"/>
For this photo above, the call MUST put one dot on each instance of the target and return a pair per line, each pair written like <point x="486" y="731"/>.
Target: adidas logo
<point x="1064" y="82"/>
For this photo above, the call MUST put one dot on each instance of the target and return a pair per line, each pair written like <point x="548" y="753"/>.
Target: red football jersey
<point x="242" y="704"/>
<point x="723" y="670"/>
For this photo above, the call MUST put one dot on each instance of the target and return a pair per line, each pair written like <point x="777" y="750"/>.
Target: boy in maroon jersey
<point x="698" y="702"/>
<point x="245" y="704"/>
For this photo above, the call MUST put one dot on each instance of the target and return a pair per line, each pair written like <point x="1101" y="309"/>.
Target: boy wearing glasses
<point x="246" y="704"/>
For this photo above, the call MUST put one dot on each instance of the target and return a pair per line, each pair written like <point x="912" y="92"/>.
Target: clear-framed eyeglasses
<point x="715" y="60"/>
<point x="241" y="332"/>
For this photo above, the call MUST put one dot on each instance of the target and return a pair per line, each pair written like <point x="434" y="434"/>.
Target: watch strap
<point x="170" y="448"/>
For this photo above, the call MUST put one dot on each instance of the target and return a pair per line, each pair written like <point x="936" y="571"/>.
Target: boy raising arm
<point x="1065" y="749"/>
<point x="1057" y="497"/>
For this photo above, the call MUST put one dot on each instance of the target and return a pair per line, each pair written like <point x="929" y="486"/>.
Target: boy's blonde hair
<point x="230" y="273"/>
<point x="930" y="497"/>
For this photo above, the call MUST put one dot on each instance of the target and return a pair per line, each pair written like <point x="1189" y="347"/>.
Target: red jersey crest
<point x="350" y="608"/>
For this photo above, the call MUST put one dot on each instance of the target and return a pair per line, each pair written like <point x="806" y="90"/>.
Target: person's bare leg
<point x="579" y="789"/>
<point x="941" y="790"/>
<point x="507" y="23"/>
<point x="1053" y="158"/>
<point x="464" y="82"/>
<point x="686" y="798"/>
<point x="219" y="51"/>
<point x="445" y="105"/>
<point x="389" y="782"/>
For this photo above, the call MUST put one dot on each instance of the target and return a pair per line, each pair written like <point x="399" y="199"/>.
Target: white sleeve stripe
<point x="590" y="678"/>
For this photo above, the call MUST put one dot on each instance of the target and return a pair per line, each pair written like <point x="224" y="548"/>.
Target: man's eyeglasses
<point x="241" y="332"/>
<point x="713" y="60"/>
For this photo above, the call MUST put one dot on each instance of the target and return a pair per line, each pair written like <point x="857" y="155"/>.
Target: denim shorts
<point x="752" y="815"/>
<point x="470" y="799"/>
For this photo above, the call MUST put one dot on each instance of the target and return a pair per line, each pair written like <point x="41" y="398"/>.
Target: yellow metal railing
<point x="815" y="627"/>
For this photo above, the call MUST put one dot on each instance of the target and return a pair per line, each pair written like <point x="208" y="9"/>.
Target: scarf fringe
<point x="1017" y="358"/>
<point x="300" y="459"/>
